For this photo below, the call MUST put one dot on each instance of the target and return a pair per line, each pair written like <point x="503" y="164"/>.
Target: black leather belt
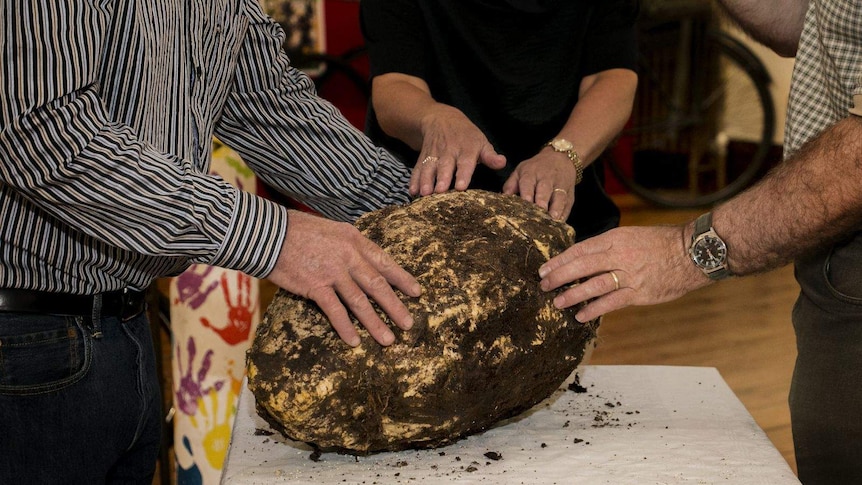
<point x="124" y="303"/>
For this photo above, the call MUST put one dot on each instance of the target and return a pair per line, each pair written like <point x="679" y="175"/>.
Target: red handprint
<point x="239" y="314"/>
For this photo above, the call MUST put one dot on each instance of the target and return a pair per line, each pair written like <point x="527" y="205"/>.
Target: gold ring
<point x="616" y="280"/>
<point x="429" y="158"/>
<point x="560" y="190"/>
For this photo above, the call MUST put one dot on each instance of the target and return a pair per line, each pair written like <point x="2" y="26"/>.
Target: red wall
<point x="343" y="36"/>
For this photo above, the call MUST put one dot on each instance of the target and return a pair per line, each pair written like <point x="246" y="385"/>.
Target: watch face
<point x="562" y="145"/>
<point x="709" y="252"/>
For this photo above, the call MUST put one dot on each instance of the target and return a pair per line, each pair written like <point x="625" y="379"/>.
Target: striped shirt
<point x="828" y="70"/>
<point x="107" y="116"/>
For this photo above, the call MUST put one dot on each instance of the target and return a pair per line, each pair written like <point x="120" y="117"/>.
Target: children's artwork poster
<point x="214" y="312"/>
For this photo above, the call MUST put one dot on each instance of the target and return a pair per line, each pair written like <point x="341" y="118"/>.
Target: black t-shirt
<point x="513" y="67"/>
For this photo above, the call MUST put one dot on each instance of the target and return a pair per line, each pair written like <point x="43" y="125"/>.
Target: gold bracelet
<point x="565" y="146"/>
<point x="579" y="165"/>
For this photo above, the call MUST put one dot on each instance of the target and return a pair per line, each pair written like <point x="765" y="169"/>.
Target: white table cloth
<point x="633" y="425"/>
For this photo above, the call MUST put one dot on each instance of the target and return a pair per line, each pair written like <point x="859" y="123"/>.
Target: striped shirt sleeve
<point x="297" y="142"/>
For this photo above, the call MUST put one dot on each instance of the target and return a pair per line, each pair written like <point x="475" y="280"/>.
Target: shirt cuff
<point x="857" y="105"/>
<point x="255" y="236"/>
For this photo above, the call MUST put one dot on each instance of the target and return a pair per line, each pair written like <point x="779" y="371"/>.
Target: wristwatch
<point x="708" y="251"/>
<point x="565" y="146"/>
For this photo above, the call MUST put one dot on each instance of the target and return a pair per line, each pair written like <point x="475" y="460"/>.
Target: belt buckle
<point x="129" y="305"/>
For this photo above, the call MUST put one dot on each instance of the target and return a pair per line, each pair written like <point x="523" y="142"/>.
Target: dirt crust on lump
<point x="486" y="345"/>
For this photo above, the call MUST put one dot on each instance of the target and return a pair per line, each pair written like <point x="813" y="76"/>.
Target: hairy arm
<point x="776" y="24"/>
<point x="810" y="201"/>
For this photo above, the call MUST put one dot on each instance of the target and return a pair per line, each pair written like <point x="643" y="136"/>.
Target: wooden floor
<point x="739" y="326"/>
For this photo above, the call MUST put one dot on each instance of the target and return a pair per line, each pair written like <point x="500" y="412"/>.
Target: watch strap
<point x="701" y="225"/>
<point x="719" y="273"/>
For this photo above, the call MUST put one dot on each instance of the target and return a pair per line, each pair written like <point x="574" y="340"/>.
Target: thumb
<point x="491" y="159"/>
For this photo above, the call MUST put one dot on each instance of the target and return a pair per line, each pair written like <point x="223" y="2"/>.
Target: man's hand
<point x="334" y="265"/>
<point x="452" y="146"/>
<point x="548" y="180"/>
<point x="651" y="265"/>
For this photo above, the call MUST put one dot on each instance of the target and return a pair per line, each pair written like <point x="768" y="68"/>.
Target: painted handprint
<point x="234" y="382"/>
<point x="240" y="312"/>
<point x="190" y="389"/>
<point x="217" y="425"/>
<point x="190" y="286"/>
<point x="192" y="474"/>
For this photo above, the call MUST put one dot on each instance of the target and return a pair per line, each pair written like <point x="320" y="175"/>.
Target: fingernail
<point x="580" y="317"/>
<point x="355" y="341"/>
<point x="558" y="302"/>
<point x="555" y="215"/>
<point x="544" y="285"/>
<point x="543" y="271"/>
<point x="387" y="338"/>
<point x="407" y="324"/>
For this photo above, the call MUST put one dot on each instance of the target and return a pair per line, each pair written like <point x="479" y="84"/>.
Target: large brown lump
<point x="487" y="343"/>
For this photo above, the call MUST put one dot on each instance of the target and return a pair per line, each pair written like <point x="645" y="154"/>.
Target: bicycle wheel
<point x="700" y="134"/>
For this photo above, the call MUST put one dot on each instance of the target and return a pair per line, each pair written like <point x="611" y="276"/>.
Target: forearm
<point x="774" y="23"/>
<point x="603" y="108"/>
<point x="401" y="103"/>
<point x="810" y="201"/>
<point x="306" y="149"/>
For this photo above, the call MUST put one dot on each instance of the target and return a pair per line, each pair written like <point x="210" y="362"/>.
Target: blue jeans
<point x="826" y="392"/>
<point x="79" y="400"/>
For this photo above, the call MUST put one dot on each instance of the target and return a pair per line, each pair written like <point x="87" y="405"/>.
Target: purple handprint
<point x="191" y="390"/>
<point x="190" y="286"/>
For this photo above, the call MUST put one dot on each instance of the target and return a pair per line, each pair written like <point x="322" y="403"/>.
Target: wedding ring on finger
<point x="561" y="190"/>
<point x="429" y="159"/>
<point x="616" y="280"/>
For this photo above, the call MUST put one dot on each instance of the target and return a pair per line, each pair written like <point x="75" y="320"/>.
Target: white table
<point x="634" y="425"/>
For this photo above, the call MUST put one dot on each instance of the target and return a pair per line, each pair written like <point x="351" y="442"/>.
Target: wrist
<point x="563" y="146"/>
<point x="439" y="114"/>
<point x="254" y="238"/>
